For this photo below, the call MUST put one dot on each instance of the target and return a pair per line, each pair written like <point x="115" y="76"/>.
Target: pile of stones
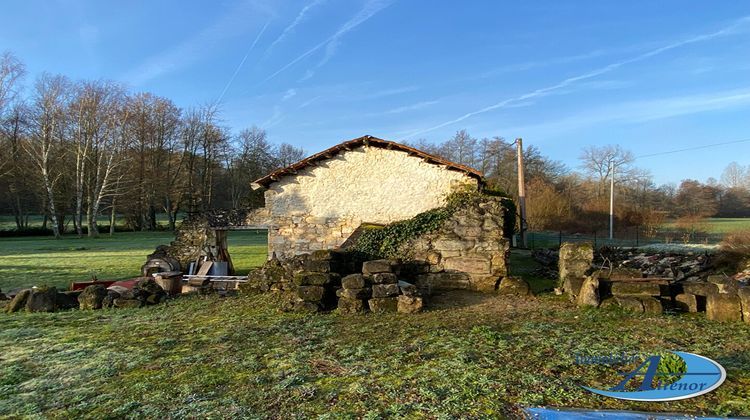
<point x="38" y="299"/>
<point x="653" y="284"/>
<point x="145" y="292"/>
<point x="96" y="296"/>
<point x="378" y="289"/>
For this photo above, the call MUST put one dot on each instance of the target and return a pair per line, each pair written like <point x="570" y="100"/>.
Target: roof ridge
<point x="365" y="140"/>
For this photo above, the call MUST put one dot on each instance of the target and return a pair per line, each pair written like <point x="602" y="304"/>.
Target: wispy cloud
<point x="634" y="112"/>
<point x="290" y="93"/>
<point x="230" y="24"/>
<point x="274" y="119"/>
<point x="371" y="9"/>
<point x="405" y="108"/>
<point x="309" y="102"/>
<point x="728" y="30"/>
<point x="389" y="92"/>
<point x="289" y="29"/>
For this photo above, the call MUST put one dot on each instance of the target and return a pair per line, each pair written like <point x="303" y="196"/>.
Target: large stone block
<point x="19" y="301"/>
<point x="575" y="260"/>
<point x="630" y="303"/>
<point x="515" y="286"/>
<point x="311" y="293"/>
<point x="572" y="287"/>
<point x="723" y="307"/>
<point x="485" y="283"/>
<point x="409" y="304"/>
<point x="467" y="264"/>
<point x="744" y="294"/>
<point x="589" y="293"/>
<point x="383" y="305"/>
<point x="363" y="293"/>
<point x="699" y="288"/>
<point x="724" y="284"/>
<point x="444" y="281"/>
<point x="686" y="302"/>
<point x="378" y="266"/>
<point x="307" y="278"/>
<point x="384" y="290"/>
<point x="353" y="281"/>
<point x="651" y="305"/>
<point x="449" y="245"/>
<point x="384" y="278"/>
<point x="43" y="299"/>
<point x="408" y="289"/>
<point x="351" y="306"/>
<point x="621" y="288"/>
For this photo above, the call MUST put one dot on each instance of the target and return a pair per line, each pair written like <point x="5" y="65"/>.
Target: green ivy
<point x="385" y="242"/>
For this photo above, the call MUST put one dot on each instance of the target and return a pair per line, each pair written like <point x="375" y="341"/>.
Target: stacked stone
<point x="638" y="296"/>
<point x="385" y="290"/>
<point x="379" y="289"/>
<point x="316" y="279"/>
<point x="354" y="293"/>
<point x="574" y="263"/>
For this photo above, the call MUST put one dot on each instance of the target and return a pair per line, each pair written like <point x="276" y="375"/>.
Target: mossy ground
<point x="468" y="355"/>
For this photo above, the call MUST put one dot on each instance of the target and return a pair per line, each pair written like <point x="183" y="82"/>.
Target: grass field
<point x="467" y="356"/>
<point x="9" y="223"/>
<point x="28" y="261"/>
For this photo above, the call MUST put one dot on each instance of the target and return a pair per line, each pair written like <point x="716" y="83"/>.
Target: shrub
<point x="737" y="243"/>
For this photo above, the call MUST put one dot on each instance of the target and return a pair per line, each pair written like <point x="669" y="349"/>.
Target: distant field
<point x="8" y="222"/>
<point x="31" y="261"/>
<point x="720" y="225"/>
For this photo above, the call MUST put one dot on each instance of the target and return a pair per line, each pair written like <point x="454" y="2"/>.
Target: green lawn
<point x="29" y="261"/>
<point x="8" y="222"/>
<point x="469" y="355"/>
<point x="721" y="225"/>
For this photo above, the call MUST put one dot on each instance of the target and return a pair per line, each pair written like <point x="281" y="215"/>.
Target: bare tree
<point x="12" y="72"/>
<point x="597" y="162"/>
<point x="736" y="176"/>
<point x="46" y="136"/>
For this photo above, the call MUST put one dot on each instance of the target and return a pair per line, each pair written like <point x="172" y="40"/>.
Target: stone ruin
<point x="651" y="283"/>
<point x="467" y="251"/>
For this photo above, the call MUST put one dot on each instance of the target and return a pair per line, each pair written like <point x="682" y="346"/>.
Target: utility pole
<point x="521" y="191"/>
<point x="611" y="198"/>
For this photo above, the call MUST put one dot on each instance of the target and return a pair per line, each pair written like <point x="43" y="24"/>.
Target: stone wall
<point x="467" y="252"/>
<point x="323" y="204"/>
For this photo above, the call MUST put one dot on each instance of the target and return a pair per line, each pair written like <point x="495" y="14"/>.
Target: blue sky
<point x="650" y="76"/>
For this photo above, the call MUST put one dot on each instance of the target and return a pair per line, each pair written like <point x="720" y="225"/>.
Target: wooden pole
<point x="611" y="200"/>
<point x="521" y="191"/>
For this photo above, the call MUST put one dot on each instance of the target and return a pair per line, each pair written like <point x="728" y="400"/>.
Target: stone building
<point x="318" y="202"/>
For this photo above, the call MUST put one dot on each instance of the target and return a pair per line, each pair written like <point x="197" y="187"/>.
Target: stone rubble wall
<point x="652" y="284"/>
<point x="322" y="205"/>
<point x="467" y="252"/>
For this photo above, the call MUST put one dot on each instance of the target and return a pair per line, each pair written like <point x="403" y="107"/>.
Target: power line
<point x="687" y="149"/>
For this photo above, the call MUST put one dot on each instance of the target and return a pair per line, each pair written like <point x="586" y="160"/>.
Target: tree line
<point x="577" y="200"/>
<point x="79" y="151"/>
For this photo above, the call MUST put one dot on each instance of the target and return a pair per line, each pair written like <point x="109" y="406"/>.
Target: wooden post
<point x="521" y="191"/>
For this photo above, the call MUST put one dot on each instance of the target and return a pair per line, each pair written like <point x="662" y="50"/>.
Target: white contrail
<point x="593" y="73"/>
<point x="239" y="67"/>
<point x="297" y="20"/>
<point x="370" y="10"/>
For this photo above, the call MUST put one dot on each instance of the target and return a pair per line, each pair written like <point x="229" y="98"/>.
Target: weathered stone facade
<point x="467" y="252"/>
<point x="319" y="205"/>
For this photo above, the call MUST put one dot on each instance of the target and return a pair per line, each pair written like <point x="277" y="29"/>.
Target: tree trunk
<point x="112" y="219"/>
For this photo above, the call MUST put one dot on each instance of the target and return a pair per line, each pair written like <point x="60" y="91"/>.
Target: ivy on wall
<point x="386" y="241"/>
